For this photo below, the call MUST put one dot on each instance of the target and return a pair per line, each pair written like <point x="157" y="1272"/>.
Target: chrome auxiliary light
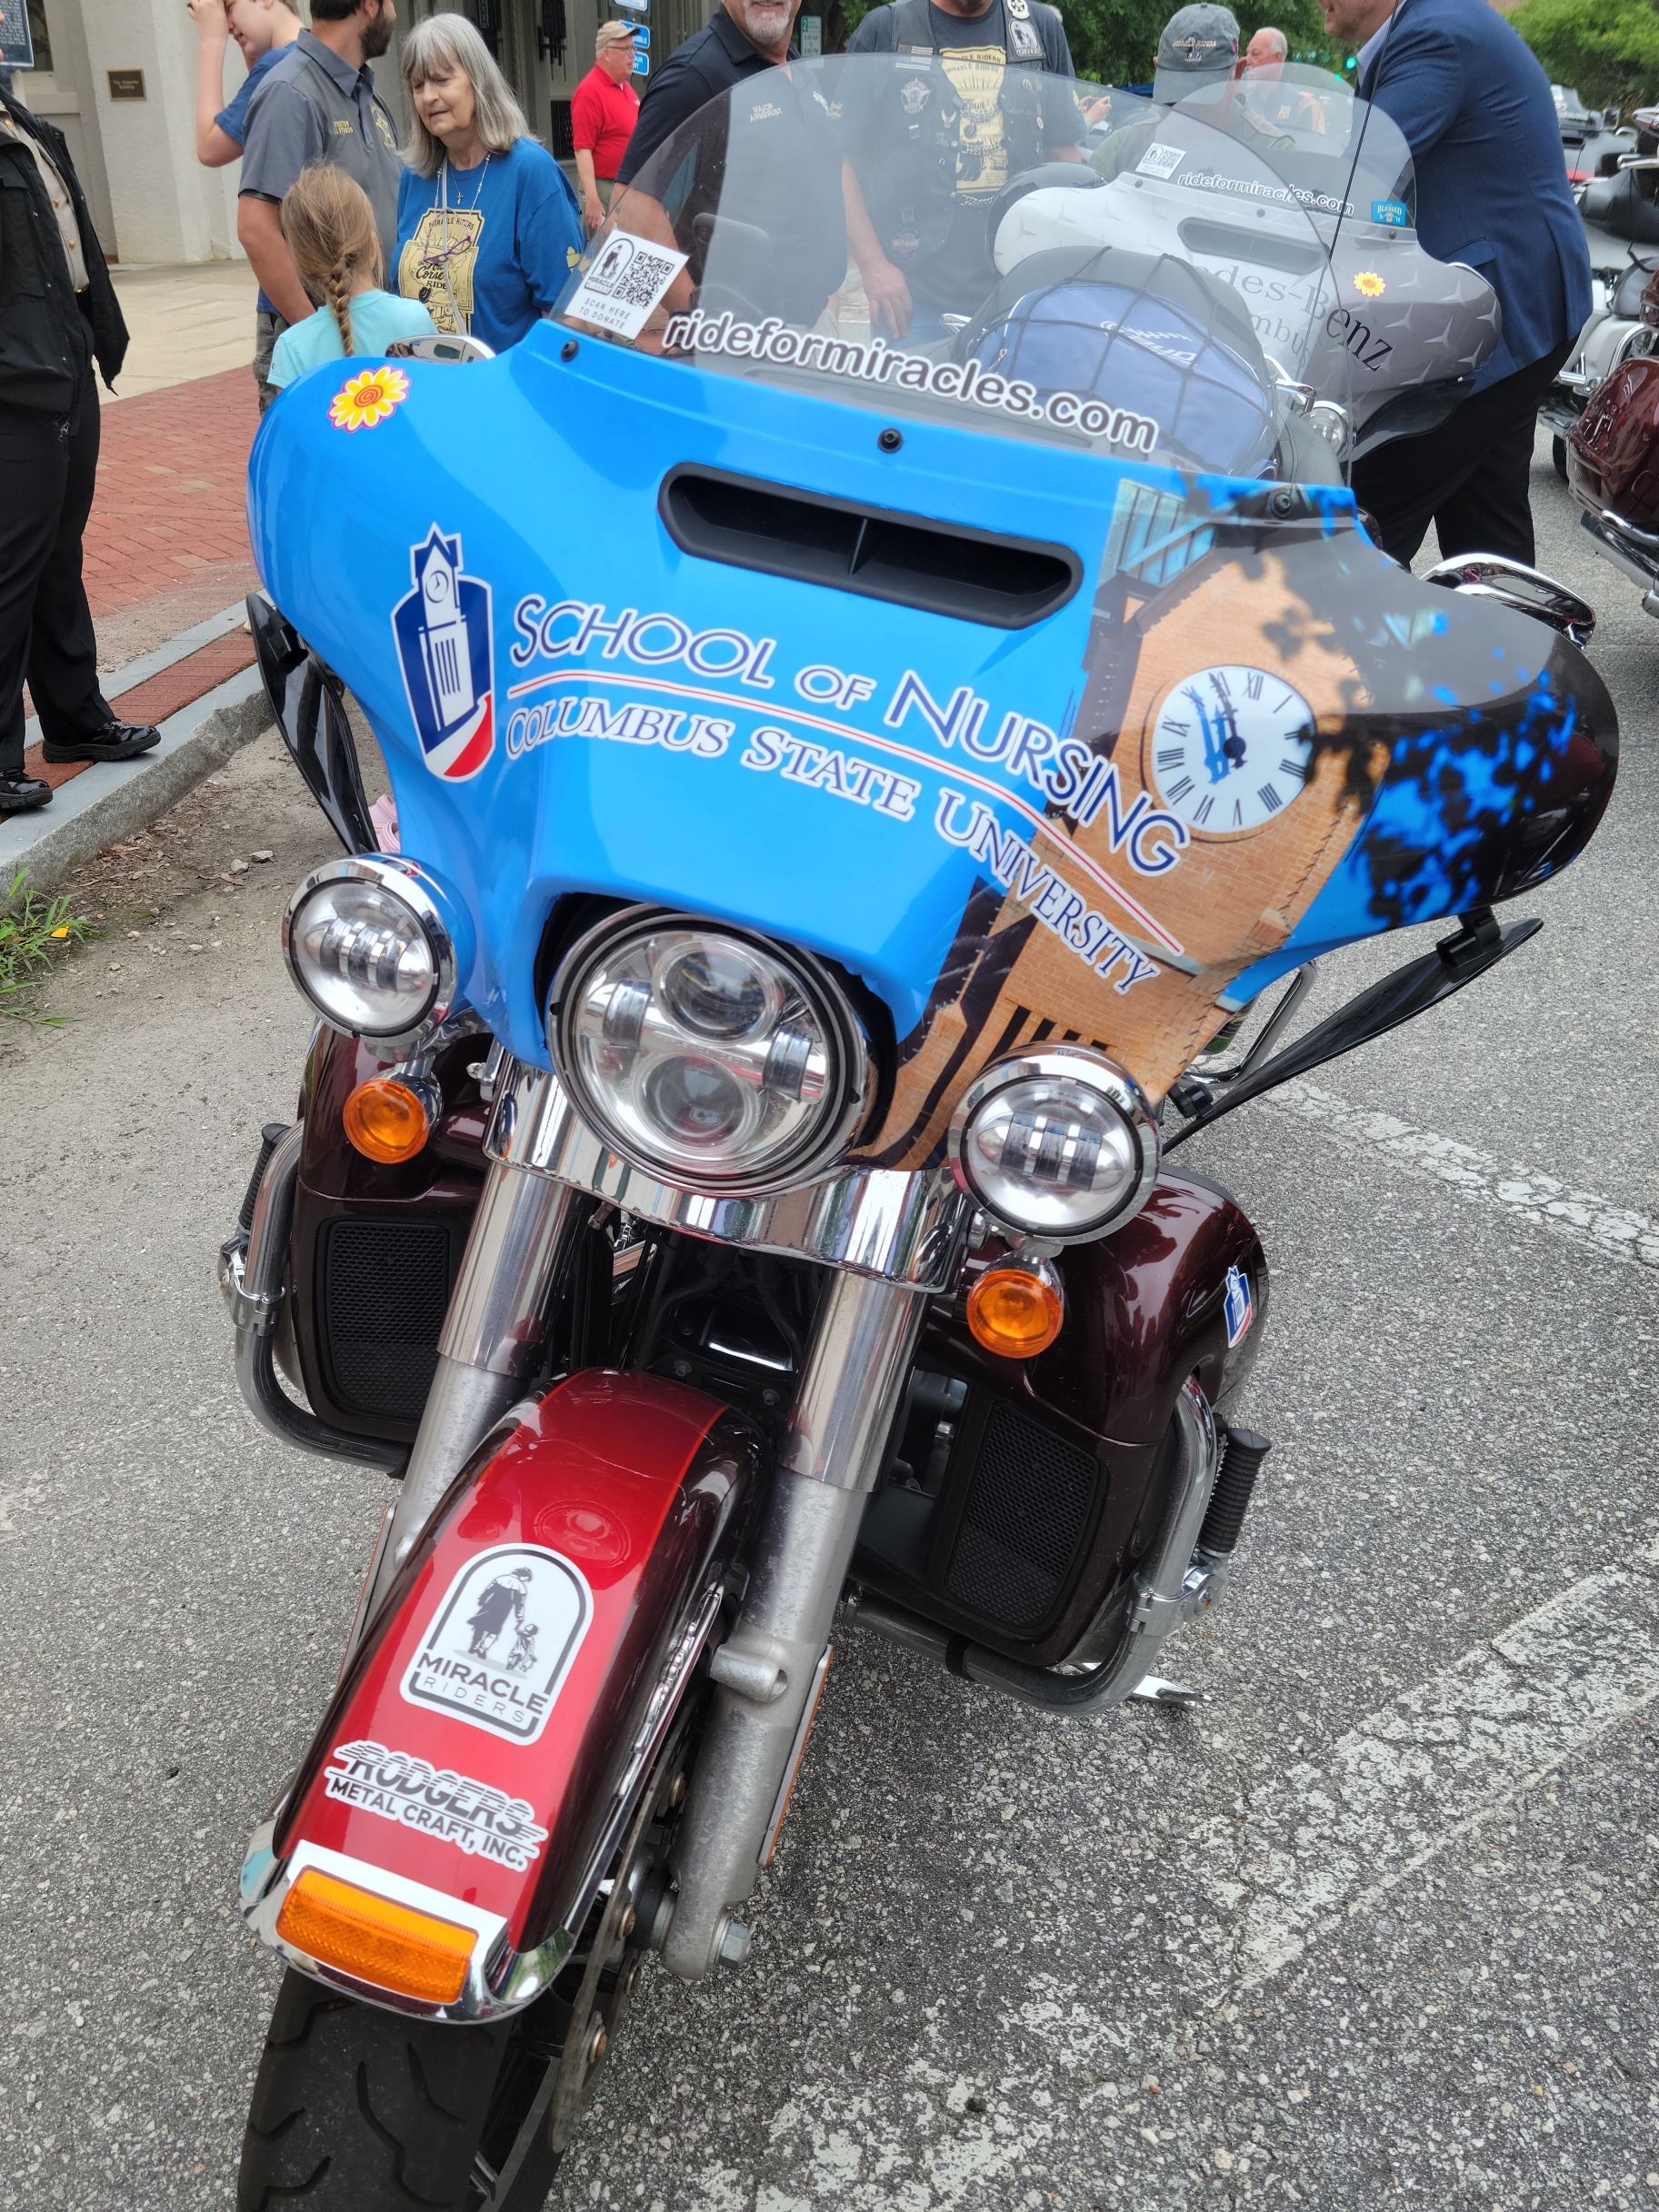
<point x="367" y="942"/>
<point x="714" y="1060"/>
<point x="1058" y="1144"/>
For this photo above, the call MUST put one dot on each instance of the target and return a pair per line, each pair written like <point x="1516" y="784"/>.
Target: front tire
<point x="1558" y="454"/>
<point x="359" y="2110"/>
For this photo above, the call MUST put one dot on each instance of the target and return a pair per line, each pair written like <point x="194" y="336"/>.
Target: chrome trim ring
<point x="900" y="1228"/>
<point x="825" y="1140"/>
<point x="1076" y="1064"/>
<point x="406" y="881"/>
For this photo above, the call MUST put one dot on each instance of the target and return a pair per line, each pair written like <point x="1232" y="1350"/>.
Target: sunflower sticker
<point x="368" y="398"/>
<point x="1369" y="284"/>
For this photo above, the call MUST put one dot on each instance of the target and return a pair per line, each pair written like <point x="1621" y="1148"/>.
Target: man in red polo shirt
<point x="603" y="112"/>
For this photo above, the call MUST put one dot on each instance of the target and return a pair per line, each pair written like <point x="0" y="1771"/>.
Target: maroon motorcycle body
<point x="1613" y="460"/>
<point x="375" y="1254"/>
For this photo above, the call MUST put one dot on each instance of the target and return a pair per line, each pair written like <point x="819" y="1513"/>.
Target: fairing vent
<point x="1028" y="1511"/>
<point x="382" y="1289"/>
<point x="1296" y="256"/>
<point x="1007" y="583"/>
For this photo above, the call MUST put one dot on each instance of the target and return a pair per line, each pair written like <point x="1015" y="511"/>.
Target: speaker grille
<point x="1027" y="1505"/>
<point x="382" y="1290"/>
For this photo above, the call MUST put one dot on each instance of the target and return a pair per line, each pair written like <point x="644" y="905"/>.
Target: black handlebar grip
<point x="1230" y="1500"/>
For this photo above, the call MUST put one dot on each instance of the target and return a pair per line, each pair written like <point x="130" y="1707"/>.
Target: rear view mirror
<point x="440" y="345"/>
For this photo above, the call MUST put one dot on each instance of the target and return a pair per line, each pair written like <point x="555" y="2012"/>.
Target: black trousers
<point x="48" y="471"/>
<point x="1469" y="478"/>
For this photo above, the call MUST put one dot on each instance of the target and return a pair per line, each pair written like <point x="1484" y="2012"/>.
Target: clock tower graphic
<point x="445" y="649"/>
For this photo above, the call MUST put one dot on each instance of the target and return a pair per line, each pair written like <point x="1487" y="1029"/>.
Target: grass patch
<point x="34" y="931"/>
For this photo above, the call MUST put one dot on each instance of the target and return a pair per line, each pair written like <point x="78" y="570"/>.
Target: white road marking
<point x="1618" y="1231"/>
<point x="1312" y="1848"/>
<point x="1322" y="1843"/>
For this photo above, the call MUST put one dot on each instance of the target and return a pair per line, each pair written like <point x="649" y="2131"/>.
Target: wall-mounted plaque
<point x="126" y="83"/>
<point x="17" y="41"/>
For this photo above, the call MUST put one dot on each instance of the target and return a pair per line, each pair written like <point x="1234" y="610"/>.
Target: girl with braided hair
<point x="329" y="225"/>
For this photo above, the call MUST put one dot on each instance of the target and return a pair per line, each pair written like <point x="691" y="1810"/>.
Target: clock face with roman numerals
<point x="1229" y="748"/>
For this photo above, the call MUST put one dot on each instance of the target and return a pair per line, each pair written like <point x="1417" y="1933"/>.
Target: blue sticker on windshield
<point x="1391" y="213"/>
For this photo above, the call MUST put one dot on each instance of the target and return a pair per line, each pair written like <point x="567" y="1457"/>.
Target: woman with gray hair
<point x="487" y="226"/>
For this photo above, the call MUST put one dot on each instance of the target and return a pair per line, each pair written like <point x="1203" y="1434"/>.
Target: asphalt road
<point x="1375" y="1923"/>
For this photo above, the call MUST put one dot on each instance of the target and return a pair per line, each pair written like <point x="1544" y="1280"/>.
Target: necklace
<point x="477" y="190"/>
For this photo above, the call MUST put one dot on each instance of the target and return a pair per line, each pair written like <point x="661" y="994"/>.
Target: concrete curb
<point x="120" y="681"/>
<point x="109" y="802"/>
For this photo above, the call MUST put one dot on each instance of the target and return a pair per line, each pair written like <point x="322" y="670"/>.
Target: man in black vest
<point x="58" y="311"/>
<point x="768" y="168"/>
<point x="977" y="92"/>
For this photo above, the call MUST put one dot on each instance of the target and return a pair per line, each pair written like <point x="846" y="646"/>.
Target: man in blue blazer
<point x="1491" y="191"/>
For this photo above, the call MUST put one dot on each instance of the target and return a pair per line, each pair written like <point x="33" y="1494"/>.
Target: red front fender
<point x="489" y="1735"/>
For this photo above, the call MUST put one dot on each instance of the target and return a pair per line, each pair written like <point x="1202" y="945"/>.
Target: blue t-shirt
<point x="377" y="318"/>
<point x="233" y="120"/>
<point x="504" y="251"/>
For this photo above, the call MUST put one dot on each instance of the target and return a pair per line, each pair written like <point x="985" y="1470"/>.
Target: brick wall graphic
<point x="1191" y="647"/>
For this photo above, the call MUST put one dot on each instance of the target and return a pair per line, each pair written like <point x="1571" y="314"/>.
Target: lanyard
<point x="463" y="322"/>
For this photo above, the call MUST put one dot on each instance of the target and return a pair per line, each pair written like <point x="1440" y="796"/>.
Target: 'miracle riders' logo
<point x="501" y="1641"/>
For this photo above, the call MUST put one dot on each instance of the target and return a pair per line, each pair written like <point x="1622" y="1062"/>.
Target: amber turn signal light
<point x="385" y="1121"/>
<point x="374" y="1939"/>
<point x="1016" y="1311"/>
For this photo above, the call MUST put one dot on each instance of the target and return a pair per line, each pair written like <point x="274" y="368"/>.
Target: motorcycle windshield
<point x="912" y="547"/>
<point x="1369" y="321"/>
<point x="905" y="234"/>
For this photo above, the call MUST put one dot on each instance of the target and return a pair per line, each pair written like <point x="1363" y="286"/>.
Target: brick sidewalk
<point x="167" y="542"/>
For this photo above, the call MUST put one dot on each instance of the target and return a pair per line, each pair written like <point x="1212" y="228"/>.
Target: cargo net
<point x="1146" y="334"/>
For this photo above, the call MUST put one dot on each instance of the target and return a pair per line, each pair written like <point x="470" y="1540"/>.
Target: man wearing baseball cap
<point x="1197" y="46"/>
<point x="603" y="110"/>
<point x="1197" y="62"/>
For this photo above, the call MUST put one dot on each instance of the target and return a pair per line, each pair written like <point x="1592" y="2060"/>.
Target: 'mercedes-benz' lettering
<point x="875" y="361"/>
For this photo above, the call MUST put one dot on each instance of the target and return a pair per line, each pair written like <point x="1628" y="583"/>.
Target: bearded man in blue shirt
<point x="1474" y="106"/>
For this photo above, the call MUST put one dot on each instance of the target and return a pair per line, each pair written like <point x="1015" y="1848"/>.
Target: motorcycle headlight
<point x="712" y="1059"/>
<point x="366" y="941"/>
<point x="1059" y="1144"/>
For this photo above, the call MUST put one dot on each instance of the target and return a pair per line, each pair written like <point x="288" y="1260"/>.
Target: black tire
<point x="359" y="2110"/>
<point x="1558" y="454"/>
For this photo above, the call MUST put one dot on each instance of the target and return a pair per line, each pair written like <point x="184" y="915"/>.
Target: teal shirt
<point x="377" y="318"/>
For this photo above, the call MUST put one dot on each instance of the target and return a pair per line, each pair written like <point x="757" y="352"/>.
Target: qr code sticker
<point x="623" y="285"/>
<point x="1161" y="160"/>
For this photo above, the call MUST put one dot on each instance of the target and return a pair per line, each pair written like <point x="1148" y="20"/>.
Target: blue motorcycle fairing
<point x="547" y="473"/>
<point x="955" y="812"/>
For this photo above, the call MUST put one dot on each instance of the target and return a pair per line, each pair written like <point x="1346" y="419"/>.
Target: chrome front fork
<point x="492" y="1336"/>
<point x="847" y="1398"/>
<point x="769" y="1666"/>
